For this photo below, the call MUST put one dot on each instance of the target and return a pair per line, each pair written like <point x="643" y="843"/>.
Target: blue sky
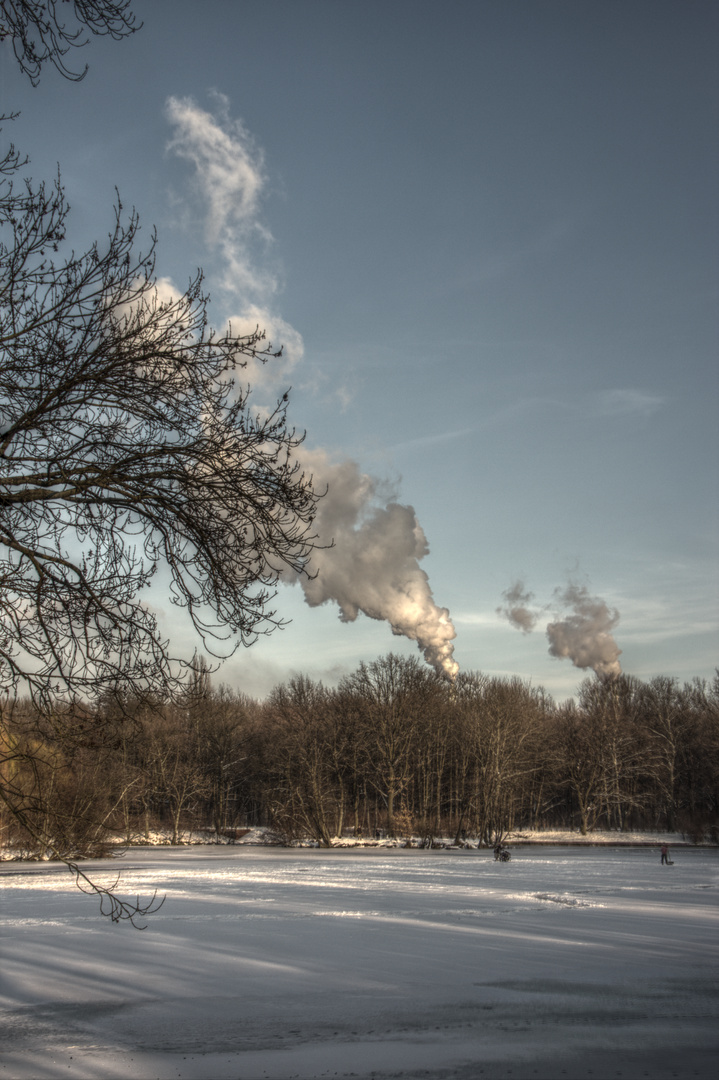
<point x="488" y="232"/>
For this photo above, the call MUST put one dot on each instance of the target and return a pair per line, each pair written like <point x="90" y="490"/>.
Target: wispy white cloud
<point x="343" y="395"/>
<point x="523" y="410"/>
<point x="229" y="180"/>
<point x="617" y="402"/>
<point x="476" y="618"/>
<point x="534" y="247"/>
<point x="433" y="439"/>
<point x="229" y="167"/>
<point x="334" y="389"/>
<point x="664" y="617"/>
<point x="628" y="402"/>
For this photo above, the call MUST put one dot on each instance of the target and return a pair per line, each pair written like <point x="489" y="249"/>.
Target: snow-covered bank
<point x="553" y="837"/>
<point x="602" y="836"/>
<point x="307" y="963"/>
<point x="263" y="837"/>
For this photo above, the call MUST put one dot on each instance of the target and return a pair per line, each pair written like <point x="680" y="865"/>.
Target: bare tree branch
<point x="126" y="445"/>
<point x="40" y="36"/>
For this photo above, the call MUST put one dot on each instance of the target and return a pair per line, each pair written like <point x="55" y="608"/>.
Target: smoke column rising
<point x="372" y="548"/>
<point x="583" y="636"/>
<point x="373" y="565"/>
<point x="228" y="181"/>
<point x="515" y="607"/>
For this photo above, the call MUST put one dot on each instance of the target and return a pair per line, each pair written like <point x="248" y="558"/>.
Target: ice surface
<point x="276" y="964"/>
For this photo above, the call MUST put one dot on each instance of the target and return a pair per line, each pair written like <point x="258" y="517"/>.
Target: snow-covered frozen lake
<point x="270" y="963"/>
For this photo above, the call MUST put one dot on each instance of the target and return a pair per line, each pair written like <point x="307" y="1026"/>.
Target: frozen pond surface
<point x="277" y="964"/>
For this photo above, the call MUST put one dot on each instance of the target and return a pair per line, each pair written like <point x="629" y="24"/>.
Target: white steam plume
<point x="229" y="175"/>
<point x="583" y="636"/>
<point x="370" y="561"/>
<point x="515" y="609"/>
<point x="373" y="566"/>
<point x="229" y="179"/>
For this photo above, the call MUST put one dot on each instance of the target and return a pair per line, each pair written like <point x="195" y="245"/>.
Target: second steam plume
<point x="373" y="563"/>
<point x="580" y="632"/>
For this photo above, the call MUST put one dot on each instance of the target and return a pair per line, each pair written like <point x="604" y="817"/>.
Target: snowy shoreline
<point x="519" y="838"/>
<point x="264" y="838"/>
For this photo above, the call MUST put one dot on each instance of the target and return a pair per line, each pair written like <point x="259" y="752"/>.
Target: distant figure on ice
<point x="501" y="854"/>
<point x="665" y="855"/>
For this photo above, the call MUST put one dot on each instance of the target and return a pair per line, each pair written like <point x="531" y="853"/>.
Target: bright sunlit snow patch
<point x="276" y="963"/>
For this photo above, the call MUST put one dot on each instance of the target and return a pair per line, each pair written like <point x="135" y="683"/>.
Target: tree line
<point x="392" y="750"/>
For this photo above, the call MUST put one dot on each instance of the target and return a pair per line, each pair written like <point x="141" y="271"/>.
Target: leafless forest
<point x="393" y="749"/>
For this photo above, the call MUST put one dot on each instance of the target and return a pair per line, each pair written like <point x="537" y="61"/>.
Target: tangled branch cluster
<point x="126" y="444"/>
<point x="39" y="36"/>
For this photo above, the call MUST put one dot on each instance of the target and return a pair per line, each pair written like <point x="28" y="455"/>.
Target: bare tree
<point x="496" y="720"/>
<point x="700" y="756"/>
<point x="55" y="773"/>
<point x="179" y="779"/>
<point x="305" y="787"/>
<point x="125" y="444"/>
<point x="55" y="800"/>
<point x="665" y="717"/>
<point x="221" y="727"/>
<point x="612" y="757"/>
<point x="389" y="696"/>
<point x="39" y="36"/>
<point x="582" y="758"/>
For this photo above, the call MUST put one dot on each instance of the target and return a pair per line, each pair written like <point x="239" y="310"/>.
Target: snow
<point x="265" y="836"/>
<point x="275" y="963"/>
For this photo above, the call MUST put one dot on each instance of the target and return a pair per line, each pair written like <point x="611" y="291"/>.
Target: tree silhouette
<point x="39" y="36"/>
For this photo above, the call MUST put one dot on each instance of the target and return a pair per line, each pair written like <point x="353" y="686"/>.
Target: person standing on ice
<point x="665" y="855"/>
